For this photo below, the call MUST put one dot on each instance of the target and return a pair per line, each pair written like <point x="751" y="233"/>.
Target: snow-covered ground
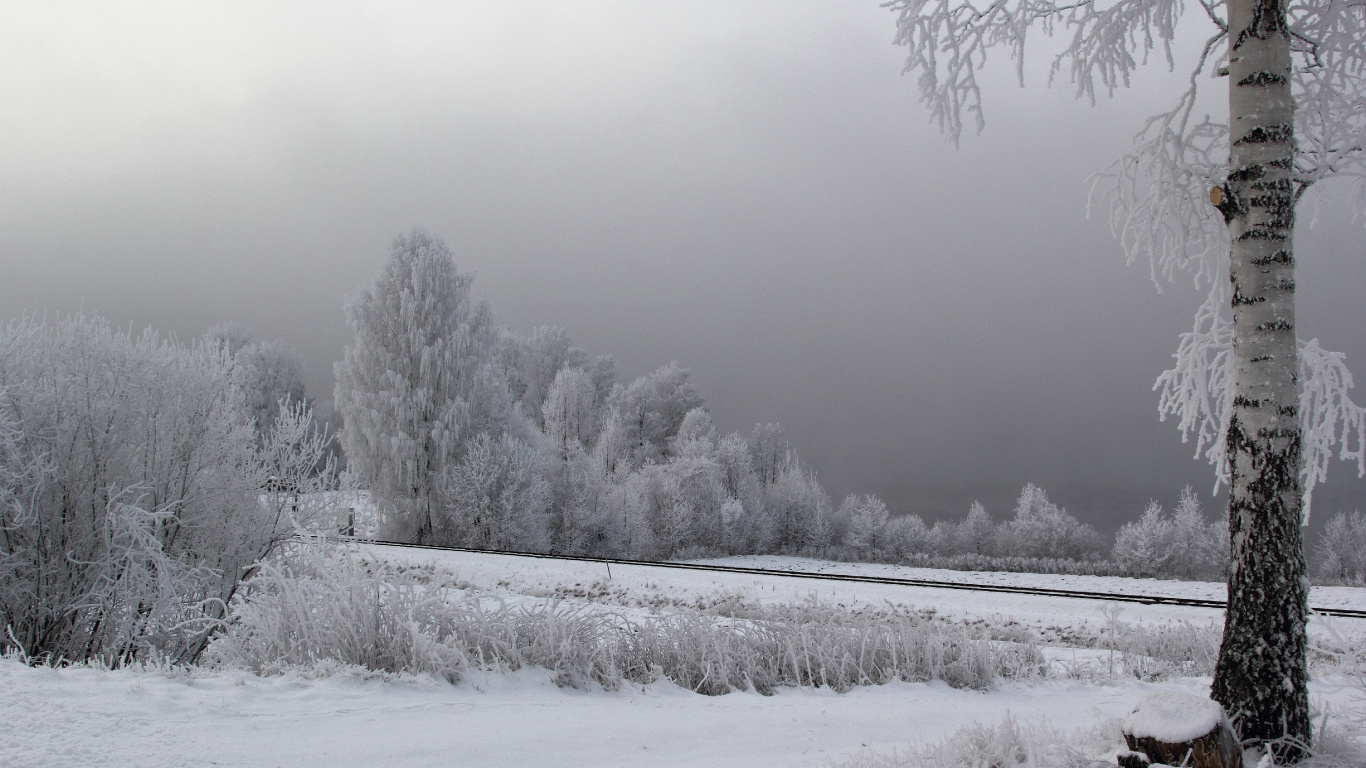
<point x="89" y="717"/>
<point x="85" y="717"/>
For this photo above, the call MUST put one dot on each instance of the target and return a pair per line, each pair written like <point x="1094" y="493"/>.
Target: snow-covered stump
<point x="1170" y="728"/>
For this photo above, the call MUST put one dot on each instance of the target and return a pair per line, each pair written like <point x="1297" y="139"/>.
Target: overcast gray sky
<point x="749" y="187"/>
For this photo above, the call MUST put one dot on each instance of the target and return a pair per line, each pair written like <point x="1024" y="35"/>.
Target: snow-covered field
<point x="1050" y="617"/>
<point x="90" y="717"/>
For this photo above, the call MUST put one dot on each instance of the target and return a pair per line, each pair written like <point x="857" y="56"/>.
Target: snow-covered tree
<point x="907" y="535"/>
<point x="649" y="412"/>
<point x="1181" y="544"/>
<point x="746" y="521"/>
<point x="270" y="374"/>
<point x="696" y="435"/>
<point x="1342" y="549"/>
<point x="1041" y="529"/>
<point x="267" y="373"/>
<point x="976" y="533"/>
<point x="867" y="515"/>
<point x="531" y="363"/>
<point x="495" y="497"/>
<point x="770" y="449"/>
<point x="418" y="381"/>
<point x="568" y="413"/>
<point x="1144" y="547"/>
<point x="798" y="509"/>
<point x="1200" y="548"/>
<point x="1213" y="198"/>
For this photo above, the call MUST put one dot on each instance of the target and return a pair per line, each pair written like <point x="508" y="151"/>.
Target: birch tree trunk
<point x="1261" y="676"/>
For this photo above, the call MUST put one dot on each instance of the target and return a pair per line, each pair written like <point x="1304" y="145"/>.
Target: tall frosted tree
<point x="1217" y="199"/>
<point x="568" y="412"/>
<point x="420" y="370"/>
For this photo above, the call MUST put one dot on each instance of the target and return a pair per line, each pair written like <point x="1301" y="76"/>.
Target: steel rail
<point x="891" y="580"/>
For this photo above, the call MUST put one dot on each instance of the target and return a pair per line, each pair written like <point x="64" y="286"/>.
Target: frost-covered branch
<point x="1159" y="193"/>
<point x="948" y="42"/>
<point x="1198" y="391"/>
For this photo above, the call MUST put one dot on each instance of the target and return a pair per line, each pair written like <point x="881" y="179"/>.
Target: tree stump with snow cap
<point x="1171" y="728"/>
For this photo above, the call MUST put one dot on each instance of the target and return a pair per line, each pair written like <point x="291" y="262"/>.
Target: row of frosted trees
<point x="470" y="435"/>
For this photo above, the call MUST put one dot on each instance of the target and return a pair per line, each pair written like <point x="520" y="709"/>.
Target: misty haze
<point x="290" y="289"/>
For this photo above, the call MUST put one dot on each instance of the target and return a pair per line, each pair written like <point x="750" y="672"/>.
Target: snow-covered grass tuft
<point x="1166" y="651"/>
<point x="319" y="605"/>
<point x="1008" y="745"/>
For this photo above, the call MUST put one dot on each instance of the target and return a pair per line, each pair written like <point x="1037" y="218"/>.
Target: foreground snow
<point x="87" y="717"/>
<point x="329" y="717"/>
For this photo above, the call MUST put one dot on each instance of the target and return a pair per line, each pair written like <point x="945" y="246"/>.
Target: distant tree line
<point x="472" y="435"/>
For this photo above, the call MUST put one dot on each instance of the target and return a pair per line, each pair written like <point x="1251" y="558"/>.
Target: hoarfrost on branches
<point x="1198" y="391"/>
<point x="1158" y="195"/>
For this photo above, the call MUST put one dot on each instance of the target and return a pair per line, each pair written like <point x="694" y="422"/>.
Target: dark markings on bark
<point x="1288" y="410"/>
<point x="1260" y="359"/>
<point x="1285" y="285"/>
<point x="1267" y="134"/>
<point x="1279" y="257"/>
<point x="1246" y="173"/>
<point x="1273" y="202"/>
<point x="1279" y="324"/>
<point x="1264" y="642"/>
<point x="1264" y="78"/>
<point x="1285" y="163"/>
<point x="1240" y="299"/>
<point x="1268" y="19"/>
<point x="1246" y="402"/>
<point x="1263" y="233"/>
<point x="1284" y="186"/>
<point x="1272" y="433"/>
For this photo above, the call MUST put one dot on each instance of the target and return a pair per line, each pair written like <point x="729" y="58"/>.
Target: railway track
<point x="1045" y="592"/>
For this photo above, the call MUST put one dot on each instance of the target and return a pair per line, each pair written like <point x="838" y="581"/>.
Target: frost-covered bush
<point x="317" y="605"/>
<point x="1164" y="651"/>
<point x="1181" y="545"/>
<point x="134" y="492"/>
<point x="906" y="536"/>
<point x="1341" y="551"/>
<point x="1013" y="564"/>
